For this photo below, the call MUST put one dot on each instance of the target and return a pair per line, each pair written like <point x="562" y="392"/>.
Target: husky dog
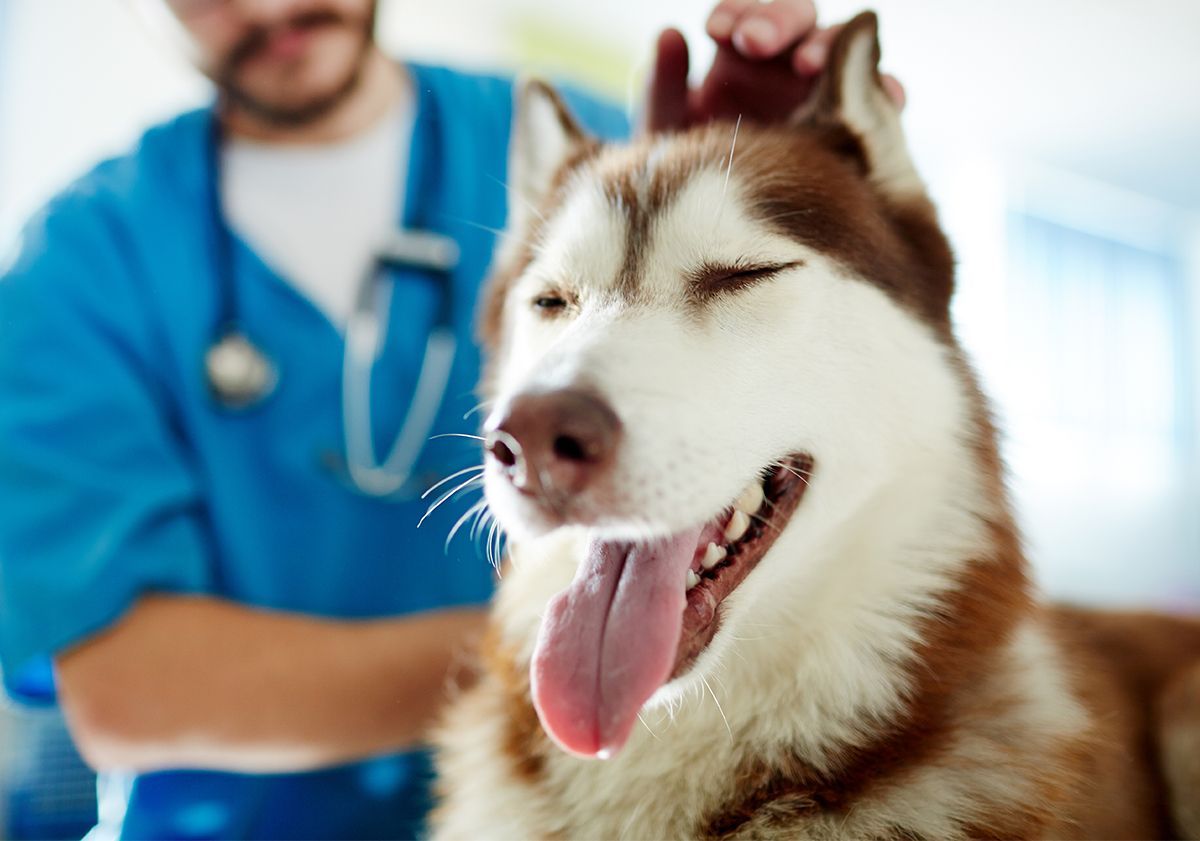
<point x="764" y="577"/>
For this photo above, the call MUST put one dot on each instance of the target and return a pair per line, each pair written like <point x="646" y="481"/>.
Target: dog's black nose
<point x="555" y="441"/>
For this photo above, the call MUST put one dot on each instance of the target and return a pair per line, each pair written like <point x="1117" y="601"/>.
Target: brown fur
<point x="524" y="740"/>
<point x="1130" y="671"/>
<point x="1122" y="664"/>
<point x="960" y="645"/>
<point x="1177" y="740"/>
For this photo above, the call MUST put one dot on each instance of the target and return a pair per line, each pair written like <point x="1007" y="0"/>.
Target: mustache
<point x="259" y="37"/>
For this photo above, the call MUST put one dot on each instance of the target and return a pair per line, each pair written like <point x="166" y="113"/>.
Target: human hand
<point x="769" y="55"/>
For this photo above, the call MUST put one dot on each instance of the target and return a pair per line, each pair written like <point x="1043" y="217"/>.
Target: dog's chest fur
<point x="831" y="730"/>
<point x="734" y="771"/>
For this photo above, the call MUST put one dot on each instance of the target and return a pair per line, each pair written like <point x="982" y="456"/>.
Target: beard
<point x="282" y="110"/>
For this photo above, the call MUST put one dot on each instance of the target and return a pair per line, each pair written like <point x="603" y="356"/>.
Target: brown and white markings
<point x="764" y="579"/>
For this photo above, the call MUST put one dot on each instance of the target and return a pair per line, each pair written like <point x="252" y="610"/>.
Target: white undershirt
<point x="315" y="214"/>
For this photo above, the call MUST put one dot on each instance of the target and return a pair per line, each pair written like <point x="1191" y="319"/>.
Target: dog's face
<point x="706" y="349"/>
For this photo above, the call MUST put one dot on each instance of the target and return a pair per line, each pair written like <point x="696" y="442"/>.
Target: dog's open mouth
<point x="639" y="614"/>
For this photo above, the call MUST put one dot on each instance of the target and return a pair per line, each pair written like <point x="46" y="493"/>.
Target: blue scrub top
<point x="119" y="475"/>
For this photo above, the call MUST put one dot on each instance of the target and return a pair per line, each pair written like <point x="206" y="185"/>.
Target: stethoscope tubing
<point x="365" y="335"/>
<point x="240" y="375"/>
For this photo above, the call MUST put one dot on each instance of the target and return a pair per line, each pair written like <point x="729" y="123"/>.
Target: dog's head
<point x="708" y="349"/>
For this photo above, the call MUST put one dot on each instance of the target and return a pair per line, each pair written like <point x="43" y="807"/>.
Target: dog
<point x="764" y="578"/>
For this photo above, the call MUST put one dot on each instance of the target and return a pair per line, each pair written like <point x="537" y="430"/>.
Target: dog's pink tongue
<point x="609" y="641"/>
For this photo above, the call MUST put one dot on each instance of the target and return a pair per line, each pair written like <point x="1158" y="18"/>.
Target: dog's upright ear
<point x="545" y="137"/>
<point x="850" y="95"/>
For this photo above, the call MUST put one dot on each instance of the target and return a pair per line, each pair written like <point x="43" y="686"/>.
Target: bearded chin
<point x="302" y="113"/>
<point x="297" y="115"/>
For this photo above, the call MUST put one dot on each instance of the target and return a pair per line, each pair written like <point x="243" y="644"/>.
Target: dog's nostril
<point x="569" y="449"/>
<point x="502" y="453"/>
<point x="554" y="442"/>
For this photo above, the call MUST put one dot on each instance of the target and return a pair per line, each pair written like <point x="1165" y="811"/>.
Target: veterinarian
<point x="208" y="542"/>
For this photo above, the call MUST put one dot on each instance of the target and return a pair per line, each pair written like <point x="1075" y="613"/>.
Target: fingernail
<point x="757" y="34"/>
<point x="720" y="24"/>
<point x="815" y="54"/>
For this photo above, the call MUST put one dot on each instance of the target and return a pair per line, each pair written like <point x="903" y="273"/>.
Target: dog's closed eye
<point x="551" y="303"/>
<point x="711" y="279"/>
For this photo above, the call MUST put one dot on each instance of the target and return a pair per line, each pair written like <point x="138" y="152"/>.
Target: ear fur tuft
<point x="850" y="94"/>
<point x="545" y="136"/>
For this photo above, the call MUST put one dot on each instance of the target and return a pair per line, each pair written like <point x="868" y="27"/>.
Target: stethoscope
<point x="240" y="375"/>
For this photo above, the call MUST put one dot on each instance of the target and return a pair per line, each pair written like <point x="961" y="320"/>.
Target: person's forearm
<point x="194" y="682"/>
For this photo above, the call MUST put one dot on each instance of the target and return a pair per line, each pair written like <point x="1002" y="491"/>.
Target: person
<point x="246" y="641"/>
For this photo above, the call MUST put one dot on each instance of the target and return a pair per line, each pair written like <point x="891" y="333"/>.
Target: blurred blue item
<point x="114" y="431"/>
<point x="241" y="375"/>
<point x="34" y="686"/>
<point x="47" y="790"/>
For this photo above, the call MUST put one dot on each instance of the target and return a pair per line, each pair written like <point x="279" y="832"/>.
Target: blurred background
<point x="1060" y="139"/>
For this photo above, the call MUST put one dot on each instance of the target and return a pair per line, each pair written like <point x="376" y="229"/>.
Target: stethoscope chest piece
<point x="239" y="374"/>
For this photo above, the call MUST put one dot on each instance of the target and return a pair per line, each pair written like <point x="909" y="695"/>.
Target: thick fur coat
<point x="759" y="313"/>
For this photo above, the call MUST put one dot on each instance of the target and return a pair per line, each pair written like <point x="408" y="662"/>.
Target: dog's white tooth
<point x="713" y="555"/>
<point x="738" y="523"/>
<point x="751" y="499"/>
<point x="692" y="579"/>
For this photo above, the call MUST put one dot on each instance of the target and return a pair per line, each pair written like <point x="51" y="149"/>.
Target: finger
<point x="762" y="90"/>
<point x="769" y="29"/>
<point x="810" y="57"/>
<point x="895" y="90"/>
<point x="725" y="17"/>
<point x="666" y="106"/>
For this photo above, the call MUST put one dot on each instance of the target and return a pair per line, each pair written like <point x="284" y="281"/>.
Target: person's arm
<point x="197" y="682"/>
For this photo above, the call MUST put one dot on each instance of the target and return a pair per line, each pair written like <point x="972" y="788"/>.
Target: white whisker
<point x="732" y="146"/>
<point x="446" y="496"/>
<point x="649" y="729"/>
<point x="767" y="523"/>
<point x="717" y="677"/>
<point x="451" y="477"/>
<point x="474" y="509"/>
<point x="803" y="477"/>
<point x="728" y="729"/>
<point x="495" y="549"/>
<point x="482" y="519"/>
<point x="488" y="545"/>
<point x="528" y="204"/>
<point x="457" y="435"/>
<point x="477" y="408"/>
<point x="480" y="226"/>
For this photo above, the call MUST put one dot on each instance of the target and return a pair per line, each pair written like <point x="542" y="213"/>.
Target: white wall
<point x="80" y="78"/>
